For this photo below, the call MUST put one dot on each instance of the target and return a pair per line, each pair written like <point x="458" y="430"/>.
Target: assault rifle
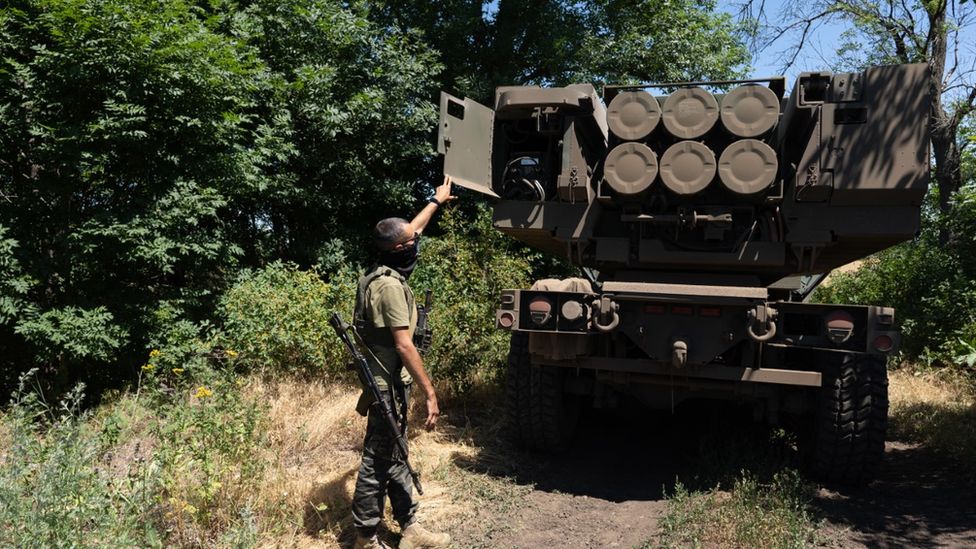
<point x="368" y="381"/>
<point x="423" y="335"/>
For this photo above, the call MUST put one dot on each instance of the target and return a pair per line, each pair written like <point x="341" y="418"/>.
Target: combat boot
<point x="416" y="536"/>
<point x="370" y="543"/>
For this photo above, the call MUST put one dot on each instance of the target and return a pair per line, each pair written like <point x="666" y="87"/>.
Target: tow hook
<point x="605" y="316"/>
<point x="763" y="317"/>
<point x="679" y="354"/>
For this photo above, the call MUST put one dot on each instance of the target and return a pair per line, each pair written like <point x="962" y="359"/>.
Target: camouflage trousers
<point x="383" y="471"/>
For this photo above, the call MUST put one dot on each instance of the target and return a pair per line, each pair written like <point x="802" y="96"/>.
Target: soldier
<point x="386" y="316"/>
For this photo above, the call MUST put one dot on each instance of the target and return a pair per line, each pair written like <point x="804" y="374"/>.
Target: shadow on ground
<point x="919" y="500"/>
<point x="638" y="454"/>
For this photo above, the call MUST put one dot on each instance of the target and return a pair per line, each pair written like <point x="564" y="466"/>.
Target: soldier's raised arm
<point x="442" y="195"/>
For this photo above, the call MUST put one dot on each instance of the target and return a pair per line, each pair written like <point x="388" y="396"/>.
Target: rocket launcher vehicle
<point x="730" y="182"/>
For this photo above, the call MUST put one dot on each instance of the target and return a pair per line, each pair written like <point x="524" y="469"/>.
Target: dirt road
<point x="608" y="490"/>
<point x="918" y="501"/>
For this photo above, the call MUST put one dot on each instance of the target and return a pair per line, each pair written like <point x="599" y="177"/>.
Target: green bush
<point x="931" y="285"/>
<point x="467" y="268"/>
<point x="170" y="467"/>
<point x="181" y="351"/>
<point x="148" y="150"/>
<point x="53" y="492"/>
<point x="74" y="333"/>
<point x="277" y="319"/>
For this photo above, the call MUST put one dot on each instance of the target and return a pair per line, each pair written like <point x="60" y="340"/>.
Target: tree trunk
<point x="948" y="162"/>
<point x="942" y="126"/>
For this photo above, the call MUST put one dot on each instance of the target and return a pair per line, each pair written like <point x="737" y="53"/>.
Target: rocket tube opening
<point x="633" y="115"/>
<point x="689" y="112"/>
<point x="687" y="167"/>
<point x="750" y="110"/>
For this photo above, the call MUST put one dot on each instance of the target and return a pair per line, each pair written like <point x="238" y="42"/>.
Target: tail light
<point x="883" y="343"/>
<point x="506" y="320"/>
<point x="840" y="326"/>
<point x="540" y="310"/>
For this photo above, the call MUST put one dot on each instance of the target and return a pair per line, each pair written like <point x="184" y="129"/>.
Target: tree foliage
<point x="485" y="44"/>
<point x="931" y="279"/>
<point x="896" y="31"/>
<point x="150" y="151"/>
<point x="932" y="286"/>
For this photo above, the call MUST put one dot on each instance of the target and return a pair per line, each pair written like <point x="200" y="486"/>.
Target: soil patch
<point x="917" y="501"/>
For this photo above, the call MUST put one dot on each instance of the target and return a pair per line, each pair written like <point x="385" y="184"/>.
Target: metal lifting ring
<point x="608" y="327"/>
<point x="770" y="332"/>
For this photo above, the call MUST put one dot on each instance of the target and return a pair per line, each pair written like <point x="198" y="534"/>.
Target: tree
<point x="356" y="104"/>
<point x="898" y="31"/>
<point x="485" y="44"/>
<point x="121" y="123"/>
<point x="148" y="150"/>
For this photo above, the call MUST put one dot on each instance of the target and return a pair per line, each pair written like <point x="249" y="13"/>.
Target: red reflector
<point x="681" y="310"/>
<point x="506" y="319"/>
<point x="883" y="343"/>
<point x="710" y="311"/>
<point x="654" y="309"/>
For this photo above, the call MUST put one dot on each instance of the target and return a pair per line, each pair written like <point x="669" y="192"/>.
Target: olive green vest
<point x="379" y="340"/>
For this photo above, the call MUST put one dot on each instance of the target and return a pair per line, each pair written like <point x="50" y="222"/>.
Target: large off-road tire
<point x="541" y="415"/>
<point x="851" y="419"/>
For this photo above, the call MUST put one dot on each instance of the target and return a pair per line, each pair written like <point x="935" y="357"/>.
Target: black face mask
<point x="402" y="261"/>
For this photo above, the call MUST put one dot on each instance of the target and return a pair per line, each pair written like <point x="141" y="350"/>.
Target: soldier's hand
<point x="443" y="192"/>
<point x="433" y="412"/>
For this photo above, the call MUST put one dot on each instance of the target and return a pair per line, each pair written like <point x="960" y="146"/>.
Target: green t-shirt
<point x="388" y="303"/>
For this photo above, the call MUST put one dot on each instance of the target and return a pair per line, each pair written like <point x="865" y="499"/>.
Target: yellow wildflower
<point x="203" y="392"/>
<point x="148" y="367"/>
<point x="230" y="353"/>
<point x="177" y="371"/>
<point x="154" y="353"/>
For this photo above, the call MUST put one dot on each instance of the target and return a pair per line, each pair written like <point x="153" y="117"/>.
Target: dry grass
<point x="4" y="436"/>
<point x="314" y="451"/>
<point x="936" y="409"/>
<point x="310" y="445"/>
<point x="316" y="439"/>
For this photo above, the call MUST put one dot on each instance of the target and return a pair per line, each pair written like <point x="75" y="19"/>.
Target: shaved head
<point x="389" y="232"/>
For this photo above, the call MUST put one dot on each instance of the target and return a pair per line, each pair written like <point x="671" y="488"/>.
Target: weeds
<point x="53" y="492"/>
<point x="752" y="514"/>
<point x="208" y="438"/>
<point x="229" y="462"/>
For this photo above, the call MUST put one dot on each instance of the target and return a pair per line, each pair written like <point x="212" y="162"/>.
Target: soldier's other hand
<point x="443" y="192"/>
<point x="433" y="412"/>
